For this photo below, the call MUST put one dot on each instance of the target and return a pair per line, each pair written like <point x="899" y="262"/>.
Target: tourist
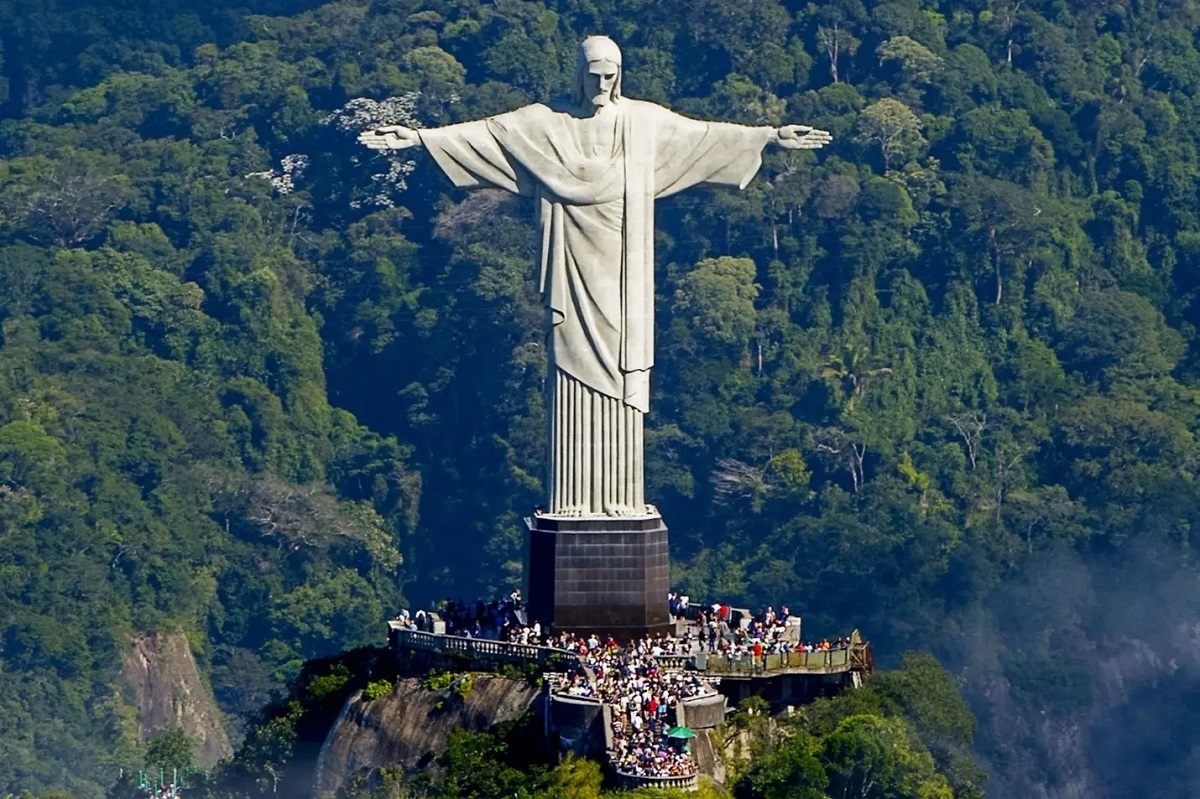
<point x="641" y="690"/>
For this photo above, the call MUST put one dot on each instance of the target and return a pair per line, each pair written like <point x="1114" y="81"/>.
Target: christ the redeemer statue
<point x="595" y="166"/>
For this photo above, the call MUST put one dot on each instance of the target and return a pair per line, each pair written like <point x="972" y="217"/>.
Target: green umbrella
<point x="680" y="732"/>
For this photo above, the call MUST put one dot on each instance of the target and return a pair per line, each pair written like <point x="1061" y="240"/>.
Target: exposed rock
<point x="170" y="693"/>
<point x="409" y="727"/>
<point x="1085" y="750"/>
<point x="706" y="749"/>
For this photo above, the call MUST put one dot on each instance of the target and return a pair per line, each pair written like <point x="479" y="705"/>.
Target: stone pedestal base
<point x="606" y="575"/>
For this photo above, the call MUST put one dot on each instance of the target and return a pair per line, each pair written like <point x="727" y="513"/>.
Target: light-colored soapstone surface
<point x="594" y="167"/>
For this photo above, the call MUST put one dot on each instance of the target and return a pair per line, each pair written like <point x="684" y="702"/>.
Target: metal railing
<point x="835" y="660"/>
<point x="856" y="656"/>
<point x="545" y="657"/>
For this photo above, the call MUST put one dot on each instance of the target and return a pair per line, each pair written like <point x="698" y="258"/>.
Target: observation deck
<point x="584" y="723"/>
<point x="856" y="657"/>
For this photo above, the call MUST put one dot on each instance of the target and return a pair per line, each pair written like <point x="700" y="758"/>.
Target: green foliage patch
<point x="239" y="355"/>
<point x="438" y="681"/>
<point x="378" y="689"/>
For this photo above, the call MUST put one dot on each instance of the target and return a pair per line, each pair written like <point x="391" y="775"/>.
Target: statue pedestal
<point x="602" y="574"/>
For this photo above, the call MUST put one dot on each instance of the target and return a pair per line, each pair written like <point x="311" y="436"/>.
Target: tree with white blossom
<point x="352" y="118"/>
<point x="362" y="114"/>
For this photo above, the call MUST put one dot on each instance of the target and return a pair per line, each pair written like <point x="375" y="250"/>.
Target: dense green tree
<point x="170" y="750"/>
<point x="254" y="382"/>
<point x="716" y="301"/>
<point x="793" y="771"/>
<point x="893" y="128"/>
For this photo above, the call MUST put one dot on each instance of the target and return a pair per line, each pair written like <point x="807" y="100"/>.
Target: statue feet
<point x="621" y="511"/>
<point x="626" y="510"/>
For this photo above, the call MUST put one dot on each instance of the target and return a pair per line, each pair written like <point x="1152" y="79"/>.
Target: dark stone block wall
<point x="609" y="576"/>
<point x="580" y="725"/>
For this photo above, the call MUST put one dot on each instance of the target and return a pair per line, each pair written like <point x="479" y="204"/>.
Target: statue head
<point x="597" y="73"/>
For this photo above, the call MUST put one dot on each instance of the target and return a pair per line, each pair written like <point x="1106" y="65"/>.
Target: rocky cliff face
<point x="706" y="748"/>
<point x="170" y="693"/>
<point x="1140" y="696"/>
<point x="1091" y="691"/>
<point x="410" y="726"/>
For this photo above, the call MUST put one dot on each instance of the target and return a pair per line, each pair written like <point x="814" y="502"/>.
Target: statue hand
<point x="390" y="137"/>
<point x="802" y="137"/>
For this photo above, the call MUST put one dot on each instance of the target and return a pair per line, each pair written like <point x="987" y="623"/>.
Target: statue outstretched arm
<point x="390" y="137"/>
<point x="802" y="137"/>
<point x="694" y="152"/>
<point x="467" y="152"/>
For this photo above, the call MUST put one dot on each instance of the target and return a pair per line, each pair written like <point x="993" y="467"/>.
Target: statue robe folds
<point x="596" y="216"/>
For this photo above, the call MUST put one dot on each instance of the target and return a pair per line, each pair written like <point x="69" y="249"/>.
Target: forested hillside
<point x="904" y="733"/>
<point x="937" y="381"/>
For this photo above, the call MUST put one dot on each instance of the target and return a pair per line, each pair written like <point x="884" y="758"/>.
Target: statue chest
<point x="597" y="140"/>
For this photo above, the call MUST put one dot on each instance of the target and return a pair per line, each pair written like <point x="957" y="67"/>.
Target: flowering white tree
<point x="291" y="168"/>
<point x="362" y="114"/>
<point x="353" y="118"/>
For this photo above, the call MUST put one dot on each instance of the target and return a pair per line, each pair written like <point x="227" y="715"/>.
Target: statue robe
<point x="596" y="218"/>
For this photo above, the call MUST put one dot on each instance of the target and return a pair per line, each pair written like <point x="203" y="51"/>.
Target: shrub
<point x="377" y="689"/>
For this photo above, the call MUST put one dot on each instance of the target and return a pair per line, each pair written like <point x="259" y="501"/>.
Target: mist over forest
<point x="937" y="381"/>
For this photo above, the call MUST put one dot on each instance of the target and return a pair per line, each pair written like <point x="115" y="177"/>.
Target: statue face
<point x="598" y="82"/>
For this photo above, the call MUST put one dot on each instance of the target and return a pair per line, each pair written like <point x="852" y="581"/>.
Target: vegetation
<point x="938" y="382"/>
<point x="907" y="733"/>
<point x="284" y="738"/>
<point x="377" y="690"/>
<point x="172" y="750"/>
<point x="438" y="681"/>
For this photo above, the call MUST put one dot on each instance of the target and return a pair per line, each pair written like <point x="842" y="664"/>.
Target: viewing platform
<point x="692" y="688"/>
<point x="853" y="658"/>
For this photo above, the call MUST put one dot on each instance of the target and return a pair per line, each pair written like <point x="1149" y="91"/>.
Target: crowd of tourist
<point x="642" y="695"/>
<point x="765" y="633"/>
<point x="497" y="619"/>
<point x="481" y="619"/>
<point x="743" y="645"/>
<point x="720" y="631"/>
<point x="717" y="629"/>
<point x="641" y="692"/>
<point x="628" y="678"/>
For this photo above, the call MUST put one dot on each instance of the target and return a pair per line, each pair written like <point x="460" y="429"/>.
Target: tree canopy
<point x="265" y="387"/>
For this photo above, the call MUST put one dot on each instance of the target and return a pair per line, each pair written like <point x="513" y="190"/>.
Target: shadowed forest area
<point x="937" y="382"/>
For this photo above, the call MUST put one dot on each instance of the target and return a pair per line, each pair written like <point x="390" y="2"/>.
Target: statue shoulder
<point x="647" y="110"/>
<point x="645" y="106"/>
<point x="526" y="115"/>
<point x="533" y="111"/>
